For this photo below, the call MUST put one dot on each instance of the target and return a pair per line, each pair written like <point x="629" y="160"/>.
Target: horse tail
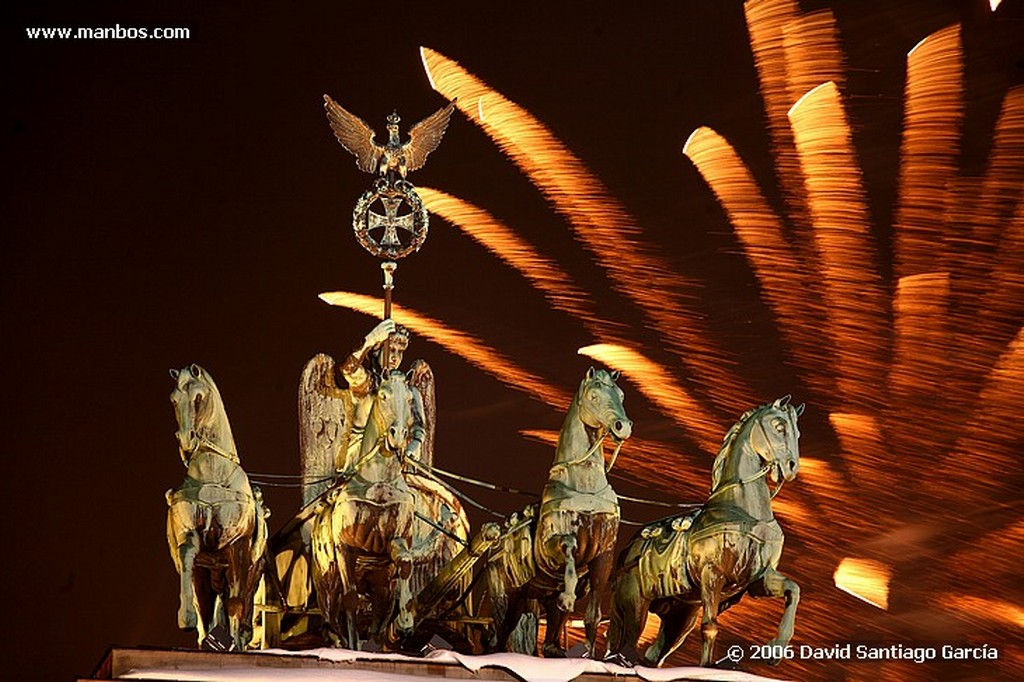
<point x="211" y="532"/>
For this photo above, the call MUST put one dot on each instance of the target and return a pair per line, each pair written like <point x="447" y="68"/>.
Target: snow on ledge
<point x="534" y="669"/>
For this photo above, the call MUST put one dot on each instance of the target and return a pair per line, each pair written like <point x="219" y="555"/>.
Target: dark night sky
<point x="184" y="201"/>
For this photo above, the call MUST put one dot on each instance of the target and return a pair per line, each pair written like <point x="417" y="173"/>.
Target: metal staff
<point x="389" y="267"/>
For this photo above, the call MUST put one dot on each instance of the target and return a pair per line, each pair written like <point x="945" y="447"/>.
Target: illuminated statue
<point x="216" y="521"/>
<point x="381" y="530"/>
<point x="333" y="419"/>
<point x="369" y="514"/>
<point x="571" y="536"/>
<point x="704" y="562"/>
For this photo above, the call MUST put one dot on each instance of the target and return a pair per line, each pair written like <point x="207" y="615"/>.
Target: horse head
<point x="776" y="437"/>
<point x="599" y="401"/>
<point x="200" y="413"/>
<point x="392" y="413"/>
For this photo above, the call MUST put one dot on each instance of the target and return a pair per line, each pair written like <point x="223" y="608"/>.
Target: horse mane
<point x="727" y="443"/>
<point x="207" y="407"/>
<point x="206" y="418"/>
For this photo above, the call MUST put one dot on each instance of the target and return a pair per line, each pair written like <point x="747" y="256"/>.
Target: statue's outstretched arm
<point x="353" y="369"/>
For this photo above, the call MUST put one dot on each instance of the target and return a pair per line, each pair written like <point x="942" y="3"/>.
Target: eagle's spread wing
<point x="354" y="135"/>
<point x="423" y="380"/>
<point x="425" y="136"/>
<point x="325" y="425"/>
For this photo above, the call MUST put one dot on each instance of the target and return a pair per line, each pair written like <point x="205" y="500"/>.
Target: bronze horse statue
<point x="684" y="565"/>
<point x="216" y="521"/>
<point x="362" y="532"/>
<point x="571" y="537"/>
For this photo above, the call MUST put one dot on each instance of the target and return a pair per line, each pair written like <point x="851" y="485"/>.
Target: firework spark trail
<point x="503" y="242"/>
<point x="998" y="551"/>
<point x="781" y="275"/>
<point x="865" y="579"/>
<point x="1004" y="180"/>
<point x="599" y="223"/>
<point x="1003" y="305"/>
<point x="651" y="463"/>
<point x="1000" y="193"/>
<point x="932" y="116"/>
<point x="838" y="206"/>
<point x="652" y="379"/>
<point x="828" y="490"/>
<point x="990" y="446"/>
<point x="997" y="265"/>
<point x="458" y="343"/>
<point x="959" y="214"/>
<point x="812" y="56"/>
<point x="867" y="458"/>
<point x="662" y="390"/>
<point x="919" y="420"/>
<point x="766" y="21"/>
<point x="997" y="611"/>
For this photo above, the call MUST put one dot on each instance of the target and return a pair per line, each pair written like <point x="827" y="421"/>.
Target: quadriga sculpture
<point x="216" y="523"/>
<point x="571" y="537"/>
<point x="684" y="565"/>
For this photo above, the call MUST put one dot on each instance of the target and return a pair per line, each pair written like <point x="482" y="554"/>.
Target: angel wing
<point x="425" y="136"/>
<point x="325" y="424"/>
<point x="423" y="379"/>
<point x="355" y="136"/>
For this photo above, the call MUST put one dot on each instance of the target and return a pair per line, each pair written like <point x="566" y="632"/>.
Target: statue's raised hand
<point x="379" y="334"/>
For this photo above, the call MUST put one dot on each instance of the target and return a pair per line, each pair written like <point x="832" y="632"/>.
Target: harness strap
<point x="214" y="448"/>
<point x="585" y="457"/>
<point x="426" y="470"/>
<point x="430" y="522"/>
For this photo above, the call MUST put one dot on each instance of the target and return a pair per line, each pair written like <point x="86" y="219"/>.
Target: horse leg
<point x="508" y="621"/>
<point x="567" y="598"/>
<point x="349" y="598"/>
<point x="600" y="569"/>
<point x="500" y="599"/>
<point x="185" y="561"/>
<point x="401" y="558"/>
<point x="775" y="584"/>
<point x="237" y="578"/>
<point x="206" y="601"/>
<point x="710" y="594"/>
<point x="553" y="631"/>
<point x="628" y="615"/>
<point x="676" y="623"/>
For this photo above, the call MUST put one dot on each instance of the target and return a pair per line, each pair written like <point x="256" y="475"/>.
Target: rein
<point x="774" y="463"/>
<point x="593" y="448"/>
<point x="213" y="447"/>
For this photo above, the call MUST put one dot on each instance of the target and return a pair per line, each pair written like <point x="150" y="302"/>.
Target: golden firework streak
<point x="838" y="205"/>
<point x="459" y="343"/>
<point x="865" y="579"/>
<point x="779" y="271"/>
<point x="599" y="222"/>
<point x="659" y="387"/>
<point x="932" y="115"/>
<point x="496" y="237"/>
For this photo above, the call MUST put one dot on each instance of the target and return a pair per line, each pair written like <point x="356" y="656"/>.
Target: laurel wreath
<point x="420" y="221"/>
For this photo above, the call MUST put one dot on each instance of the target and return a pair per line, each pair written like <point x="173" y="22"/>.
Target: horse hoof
<point x="187" y="619"/>
<point x="619" y="659"/>
<point x="566" y="602"/>
<point x="551" y="651"/>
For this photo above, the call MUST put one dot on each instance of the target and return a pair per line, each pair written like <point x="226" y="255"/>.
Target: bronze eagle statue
<point x="395" y="156"/>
